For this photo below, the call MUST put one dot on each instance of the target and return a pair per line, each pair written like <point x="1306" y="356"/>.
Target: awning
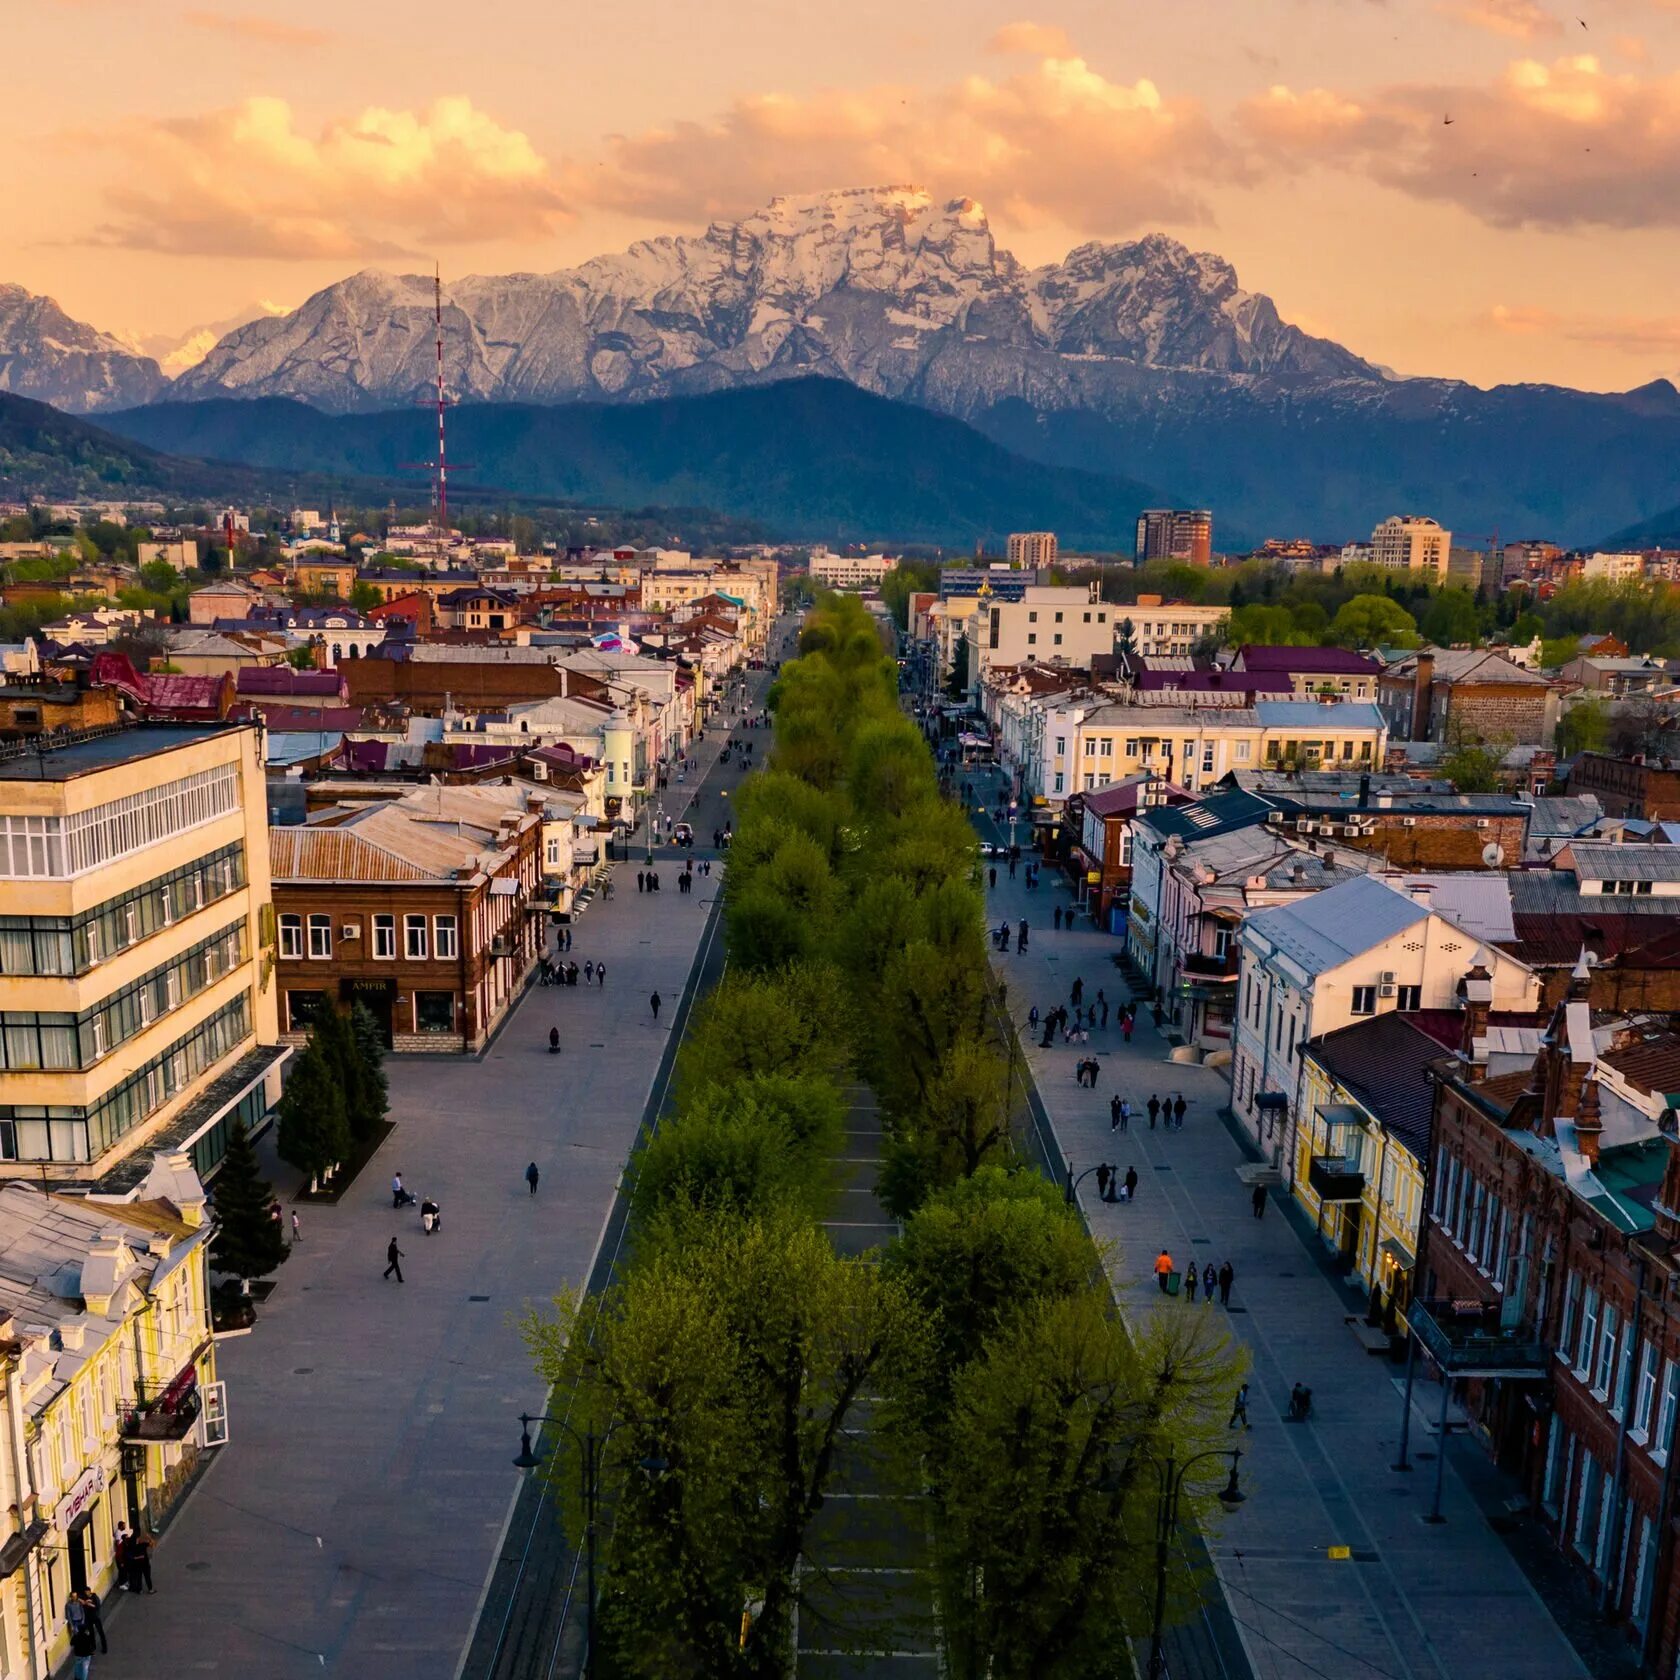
<point x="1272" y="1100"/>
<point x="585" y="851"/>
<point x="1340" y="1114"/>
<point x="504" y="886"/>
<point x="19" y="1546"/>
<point x="1391" y="1248"/>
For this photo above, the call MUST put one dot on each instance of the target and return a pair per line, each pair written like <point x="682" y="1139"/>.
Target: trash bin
<point x="1174" y="1279"/>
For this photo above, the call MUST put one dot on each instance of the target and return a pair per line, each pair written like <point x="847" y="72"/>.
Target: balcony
<point x="1334" y="1178"/>
<point x="1469" y="1339"/>
<point x="167" y="1418"/>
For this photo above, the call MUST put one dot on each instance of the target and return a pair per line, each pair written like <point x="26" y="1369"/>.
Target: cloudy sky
<point x="170" y="166"/>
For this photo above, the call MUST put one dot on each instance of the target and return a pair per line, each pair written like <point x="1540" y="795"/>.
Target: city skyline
<point x="1527" y="239"/>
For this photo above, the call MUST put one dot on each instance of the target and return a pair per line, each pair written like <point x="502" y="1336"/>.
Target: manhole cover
<point x="302" y="1370"/>
<point x="197" y="1568"/>
<point x="478" y="1297"/>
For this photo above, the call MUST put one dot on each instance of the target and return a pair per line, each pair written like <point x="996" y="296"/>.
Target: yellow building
<point x="137" y="997"/>
<point x="1361" y="1136"/>
<point x="108" y="1373"/>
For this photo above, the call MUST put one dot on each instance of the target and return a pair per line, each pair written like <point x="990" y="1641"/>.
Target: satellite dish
<point x="1493" y="854"/>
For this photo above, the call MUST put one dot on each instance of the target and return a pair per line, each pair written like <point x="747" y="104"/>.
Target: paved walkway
<point x="349" y="1527"/>
<point x="1411" y="1601"/>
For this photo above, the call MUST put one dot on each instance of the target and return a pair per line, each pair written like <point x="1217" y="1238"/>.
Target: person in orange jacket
<point x="1163" y="1270"/>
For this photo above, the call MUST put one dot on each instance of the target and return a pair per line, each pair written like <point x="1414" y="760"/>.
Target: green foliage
<point x="1585" y="727"/>
<point x="1268" y="626"/>
<point x="248" y="1241"/>
<point x="1558" y="650"/>
<point x="314" y="1131"/>
<point x="907" y="578"/>
<point x="1450" y="619"/>
<point x="1473" y="768"/>
<point x="364" y="597"/>
<point x="301" y="658"/>
<point x="956" y="684"/>
<point x="1373" y="621"/>
<point x="794" y="1022"/>
<point x="160" y="577"/>
<point x="355" y="1058"/>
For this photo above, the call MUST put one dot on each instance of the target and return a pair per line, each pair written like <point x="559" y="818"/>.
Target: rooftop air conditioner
<point x="1408" y="822"/>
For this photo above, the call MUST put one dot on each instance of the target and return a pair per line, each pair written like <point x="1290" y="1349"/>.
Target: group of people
<point x="551" y="973"/>
<point x="83" y="1610"/>
<point x="1170" y="1109"/>
<point x="1207" y="1280"/>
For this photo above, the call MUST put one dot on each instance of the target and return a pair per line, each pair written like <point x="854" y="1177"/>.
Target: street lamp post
<point x="594" y="1448"/>
<point x="1172" y="1476"/>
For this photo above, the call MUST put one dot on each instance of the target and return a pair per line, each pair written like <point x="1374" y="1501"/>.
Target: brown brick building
<point x="1551" y="1300"/>
<point x="1628" y="787"/>
<point x="1436" y="694"/>
<point x="425" y="908"/>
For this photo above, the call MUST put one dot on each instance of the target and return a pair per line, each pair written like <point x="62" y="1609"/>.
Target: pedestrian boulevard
<point x="349" y="1527"/>
<point x="1328" y="1568"/>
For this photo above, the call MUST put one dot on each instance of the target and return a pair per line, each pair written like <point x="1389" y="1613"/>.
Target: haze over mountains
<point x="1142" y="360"/>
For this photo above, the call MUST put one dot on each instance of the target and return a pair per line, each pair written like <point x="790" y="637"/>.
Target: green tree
<point x="1585" y="727"/>
<point x="370" y="1052"/>
<point x="301" y="658"/>
<point x="960" y="1124"/>
<point x="248" y="1241"/>
<point x="1373" y="621"/>
<point x="314" y="1132"/>
<point x="1056" y="1432"/>
<point x="160" y="577"/>
<point x="795" y="1022"/>
<point x="1558" y="650"/>
<point x="1474" y="767"/>
<point x="1450" y="619"/>
<point x="364" y="597"/>
<point x="956" y="685"/>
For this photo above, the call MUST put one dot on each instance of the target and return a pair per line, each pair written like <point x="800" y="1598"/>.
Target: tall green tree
<point x="1585" y="727"/>
<point x="314" y="1134"/>
<point x="248" y="1241"/>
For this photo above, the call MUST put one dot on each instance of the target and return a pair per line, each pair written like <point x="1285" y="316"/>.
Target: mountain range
<point x="796" y="459"/>
<point x="1138" y="360"/>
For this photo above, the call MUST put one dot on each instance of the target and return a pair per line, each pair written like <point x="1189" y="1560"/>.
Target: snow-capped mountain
<point x="878" y="286"/>
<point x="46" y="355"/>
<point x="176" y="352"/>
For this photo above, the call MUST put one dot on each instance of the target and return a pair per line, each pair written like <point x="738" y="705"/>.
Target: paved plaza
<point x="349" y="1527"/>
<point x="1410" y="1601"/>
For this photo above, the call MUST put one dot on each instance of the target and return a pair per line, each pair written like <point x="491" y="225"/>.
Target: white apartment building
<point x="1048" y="625"/>
<point x="1410" y="542"/>
<point x="849" y="571"/>
<point x="1613" y="568"/>
<point x="1155" y="627"/>
<point x="1029" y="550"/>
<point x="1353" y="951"/>
<point x="1086" y="742"/>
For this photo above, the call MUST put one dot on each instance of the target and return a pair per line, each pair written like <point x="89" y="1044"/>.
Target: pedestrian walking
<point x="1191" y="1282"/>
<point x="1163" y="1270"/>
<point x="297" y="1229"/>
<point x="393" y="1261"/>
<point x="1056" y="915"/>
<point x="1021" y="936"/>
<point x="1126" y="1021"/>
<point x="1227" y="1276"/>
<point x="1131" y="1183"/>
<point x="654" y="1001"/>
<point x="1103" y="1176"/>
<point x="601" y="974"/>
<point x="1258" y="1201"/>
<point x="81" y="1645"/>
<point x="1239" y="1408"/>
<point x="1210" y="1279"/>
<point x="1114" y="1114"/>
<point x="1179" y="1105"/>
<point x="641" y="881"/>
<point x="991" y="875"/>
<point x="90" y="1614"/>
<point x="531" y="1177"/>
<point x="1077" y="995"/>
<point x="589" y="972"/>
<point x="1102" y="1004"/>
<point x="1125" y="1114"/>
<point x="1154" y="1107"/>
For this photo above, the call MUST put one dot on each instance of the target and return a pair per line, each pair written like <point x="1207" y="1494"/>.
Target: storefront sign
<point x="87" y="1487"/>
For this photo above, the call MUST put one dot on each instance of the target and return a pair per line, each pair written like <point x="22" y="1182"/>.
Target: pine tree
<point x="336" y="1036"/>
<point x="248" y="1241"/>
<point x="314" y="1132"/>
<point x="370" y="1044"/>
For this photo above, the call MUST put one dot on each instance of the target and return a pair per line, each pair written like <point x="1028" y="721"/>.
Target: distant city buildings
<point x="1410" y="542"/>
<point x="1029" y="550"/>
<point x="1184" y="534"/>
<point x="854" y="571"/>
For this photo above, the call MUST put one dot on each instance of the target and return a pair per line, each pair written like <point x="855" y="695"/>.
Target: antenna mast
<point x="441" y="492"/>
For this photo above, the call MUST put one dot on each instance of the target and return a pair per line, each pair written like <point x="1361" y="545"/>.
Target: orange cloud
<point x="268" y="32"/>
<point x="1037" y="40"/>
<point x="1522" y="20"/>
<point x="247" y="181"/>
<point x="1633" y="334"/>
<point x="1054" y="142"/>
<point x="1565" y="144"/>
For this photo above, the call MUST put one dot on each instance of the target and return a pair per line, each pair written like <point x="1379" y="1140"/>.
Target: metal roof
<point x="1319" y="714"/>
<point x="1602" y="861"/>
<point x="1332" y="927"/>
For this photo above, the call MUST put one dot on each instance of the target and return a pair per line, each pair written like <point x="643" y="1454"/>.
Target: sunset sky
<point x="168" y="166"/>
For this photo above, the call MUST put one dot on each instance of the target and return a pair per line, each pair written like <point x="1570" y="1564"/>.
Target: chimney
<point x="1475" y="992"/>
<point x="1588" y="1123"/>
<point x="1364" y="791"/>
<point x="1423" y="696"/>
<point x="1667" y="1205"/>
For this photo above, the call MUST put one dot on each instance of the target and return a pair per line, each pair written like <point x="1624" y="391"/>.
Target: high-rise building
<point x="1175" y="534"/>
<point x="1028" y="550"/>
<point x="1410" y="542"/>
<point x="1529" y="559"/>
<point x="137" y="996"/>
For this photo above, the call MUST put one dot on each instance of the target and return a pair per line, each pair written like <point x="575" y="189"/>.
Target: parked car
<point x="684" y="835"/>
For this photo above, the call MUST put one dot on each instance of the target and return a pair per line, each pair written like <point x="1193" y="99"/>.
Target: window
<point x="434" y="1012"/>
<point x="1061" y="745"/>
<point x="1364" y="1000"/>
<point x="1670" y="1390"/>
<point x="1239" y="751"/>
<point x="302" y="1009"/>
<point x="1058" y="781"/>
<point x="1571" y="1317"/>
<point x="1032" y="638"/>
<point x="443" y="929"/>
<point x="385" y="937"/>
<point x="1058" y="620"/>
<point x="1557" y="1453"/>
<point x="1604" y="1368"/>
<point x="1032" y="618"/>
<point x="1645" y="1390"/>
<point x="1409" y="997"/>
<point x="1586" y="1506"/>
<point x="320" y="938"/>
<point x="291" y="936"/>
<point x="1589" y="1332"/>
<point x="414" y="938"/>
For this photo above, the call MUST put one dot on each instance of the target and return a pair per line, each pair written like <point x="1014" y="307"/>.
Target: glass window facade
<point x="74" y="945"/>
